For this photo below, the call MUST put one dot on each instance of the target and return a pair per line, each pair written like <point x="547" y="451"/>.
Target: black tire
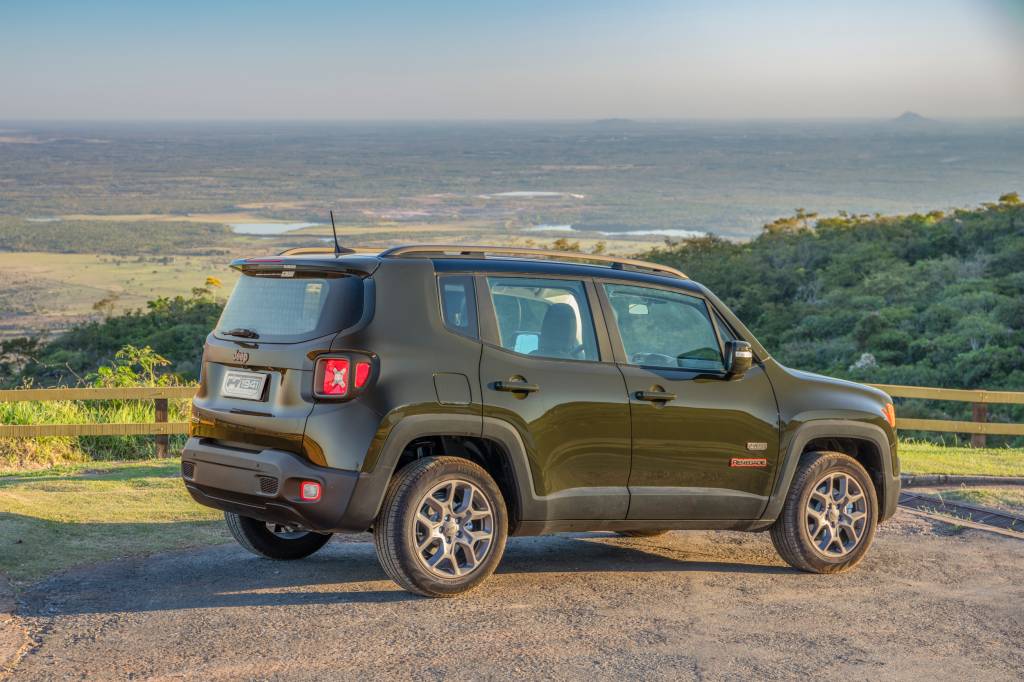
<point x="261" y="541"/>
<point x="791" y="533"/>
<point x="399" y="527"/>
<point x="641" y="533"/>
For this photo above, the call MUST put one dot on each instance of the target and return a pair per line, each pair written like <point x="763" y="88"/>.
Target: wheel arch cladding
<point x="494" y="446"/>
<point x="488" y="453"/>
<point x="841" y="434"/>
<point x="864" y="450"/>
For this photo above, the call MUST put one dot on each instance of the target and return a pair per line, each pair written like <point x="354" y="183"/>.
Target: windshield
<point x="288" y="310"/>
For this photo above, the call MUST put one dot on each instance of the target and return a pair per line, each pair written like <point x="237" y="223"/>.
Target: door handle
<point x="515" y="387"/>
<point x="655" y="396"/>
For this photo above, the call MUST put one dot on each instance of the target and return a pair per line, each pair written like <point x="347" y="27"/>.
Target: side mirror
<point x="738" y="358"/>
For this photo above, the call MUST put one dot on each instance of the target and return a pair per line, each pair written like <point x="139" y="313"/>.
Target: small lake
<point x="265" y="229"/>
<point x="668" y="232"/>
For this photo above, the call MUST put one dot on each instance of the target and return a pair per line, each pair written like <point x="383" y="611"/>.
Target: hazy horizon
<point x="1013" y="118"/>
<point x="651" y="60"/>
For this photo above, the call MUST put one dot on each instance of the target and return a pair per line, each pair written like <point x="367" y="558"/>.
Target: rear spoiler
<point x="356" y="265"/>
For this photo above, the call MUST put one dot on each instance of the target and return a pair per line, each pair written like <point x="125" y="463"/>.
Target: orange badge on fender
<point x="748" y="462"/>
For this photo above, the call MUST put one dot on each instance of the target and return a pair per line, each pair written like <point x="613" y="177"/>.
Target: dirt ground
<point x="930" y="601"/>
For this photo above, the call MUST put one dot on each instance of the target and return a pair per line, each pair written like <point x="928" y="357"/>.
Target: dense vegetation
<point x="927" y="300"/>
<point x="112" y="237"/>
<point x="173" y="327"/>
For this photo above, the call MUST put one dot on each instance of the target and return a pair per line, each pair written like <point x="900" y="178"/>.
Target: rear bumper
<point x="264" y="485"/>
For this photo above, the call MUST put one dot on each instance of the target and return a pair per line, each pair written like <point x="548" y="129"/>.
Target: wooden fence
<point x="980" y="399"/>
<point x="161" y="428"/>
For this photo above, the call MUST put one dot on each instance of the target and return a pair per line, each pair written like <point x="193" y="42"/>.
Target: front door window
<point x="665" y="329"/>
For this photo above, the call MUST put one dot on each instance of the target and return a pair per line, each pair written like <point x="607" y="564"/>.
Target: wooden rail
<point x="980" y="399"/>
<point x="161" y="428"/>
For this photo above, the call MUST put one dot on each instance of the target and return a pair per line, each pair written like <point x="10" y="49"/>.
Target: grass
<point x="66" y="516"/>
<point x="926" y="458"/>
<point x="1008" y="498"/>
<point x="18" y="454"/>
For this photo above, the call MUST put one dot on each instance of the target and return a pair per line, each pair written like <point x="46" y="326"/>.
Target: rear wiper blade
<point x="243" y="333"/>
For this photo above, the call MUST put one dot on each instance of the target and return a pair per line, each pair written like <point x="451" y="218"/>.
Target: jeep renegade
<point x="447" y="397"/>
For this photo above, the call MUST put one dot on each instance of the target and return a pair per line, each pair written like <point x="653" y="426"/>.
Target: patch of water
<point x="265" y="229"/>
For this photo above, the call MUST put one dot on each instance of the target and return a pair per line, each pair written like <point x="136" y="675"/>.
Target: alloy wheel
<point x="453" y="529"/>
<point x="836" y="515"/>
<point x="286" y="532"/>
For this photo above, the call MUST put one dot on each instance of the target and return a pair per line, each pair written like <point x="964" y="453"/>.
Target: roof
<point x="460" y="258"/>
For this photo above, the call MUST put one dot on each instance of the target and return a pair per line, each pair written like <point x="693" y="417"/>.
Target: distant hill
<point x="614" y="122"/>
<point x="913" y="118"/>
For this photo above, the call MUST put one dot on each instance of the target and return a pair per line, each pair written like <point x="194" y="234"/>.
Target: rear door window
<point x="458" y="304"/>
<point x="544" y="317"/>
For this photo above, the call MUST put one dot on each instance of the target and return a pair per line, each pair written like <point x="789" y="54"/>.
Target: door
<point x="704" y="446"/>
<point x="543" y="370"/>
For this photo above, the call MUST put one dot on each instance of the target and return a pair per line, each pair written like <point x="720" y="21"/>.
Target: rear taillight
<point x="363" y="370"/>
<point x="335" y="377"/>
<point x="342" y="376"/>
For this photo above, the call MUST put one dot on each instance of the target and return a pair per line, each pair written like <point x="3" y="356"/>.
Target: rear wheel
<point x="274" y="541"/>
<point x="829" y="518"/>
<point x="442" y="527"/>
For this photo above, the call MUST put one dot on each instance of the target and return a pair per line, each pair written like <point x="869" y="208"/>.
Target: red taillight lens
<point x="890" y="414"/>
<point x="309" y="491"/>
<point x="335" y="373"/>
<point x="362" y="373"/>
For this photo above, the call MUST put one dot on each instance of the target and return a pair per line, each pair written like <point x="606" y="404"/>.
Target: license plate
<point x="244" y="385"/>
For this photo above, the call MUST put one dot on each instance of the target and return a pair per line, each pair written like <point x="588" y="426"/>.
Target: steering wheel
<point x="657" y="359"/>
<point x="700" y="354"/>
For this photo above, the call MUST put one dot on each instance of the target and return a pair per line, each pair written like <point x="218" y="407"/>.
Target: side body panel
<point x="816" y="407"/>
<point x="683" y="450"/>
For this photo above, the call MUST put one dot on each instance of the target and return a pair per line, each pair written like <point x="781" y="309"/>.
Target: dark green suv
<point x="446" y="397"/>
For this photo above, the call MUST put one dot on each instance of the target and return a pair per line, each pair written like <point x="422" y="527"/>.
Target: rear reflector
<point x="335" y="375"/>
<point x="362" y="374"/>
<point x="309" y="491"/>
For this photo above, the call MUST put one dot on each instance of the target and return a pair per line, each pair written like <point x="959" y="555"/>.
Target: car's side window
<point x="662" y="328"/>
<point x="458" y="304"/>
<point x="544" y="317"/>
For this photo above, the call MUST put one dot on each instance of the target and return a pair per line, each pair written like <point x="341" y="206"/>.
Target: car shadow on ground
<point x="346" y="571"/>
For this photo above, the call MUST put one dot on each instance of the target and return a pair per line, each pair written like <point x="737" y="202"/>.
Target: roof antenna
<point x="338" y="250"/>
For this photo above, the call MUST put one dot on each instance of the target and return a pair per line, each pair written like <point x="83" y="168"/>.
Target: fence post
<point x="162" y="440"/>
<point x="979" y="414"/>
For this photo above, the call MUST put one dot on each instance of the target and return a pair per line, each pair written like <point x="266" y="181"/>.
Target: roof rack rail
<point x="469" y="251"/>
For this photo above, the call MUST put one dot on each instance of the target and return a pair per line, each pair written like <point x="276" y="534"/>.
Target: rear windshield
<point x="291" y="310"/>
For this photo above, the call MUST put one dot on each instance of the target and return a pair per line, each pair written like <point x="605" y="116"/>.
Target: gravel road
<point x="928" y="602"/>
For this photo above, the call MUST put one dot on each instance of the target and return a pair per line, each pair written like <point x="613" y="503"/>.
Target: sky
<point x="644" y="59"/>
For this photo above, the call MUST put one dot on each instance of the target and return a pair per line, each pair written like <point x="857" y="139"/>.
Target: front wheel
<point x="829" y="518"/>
<point x="442" y="527"/>
<point x="273" y="541"/>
